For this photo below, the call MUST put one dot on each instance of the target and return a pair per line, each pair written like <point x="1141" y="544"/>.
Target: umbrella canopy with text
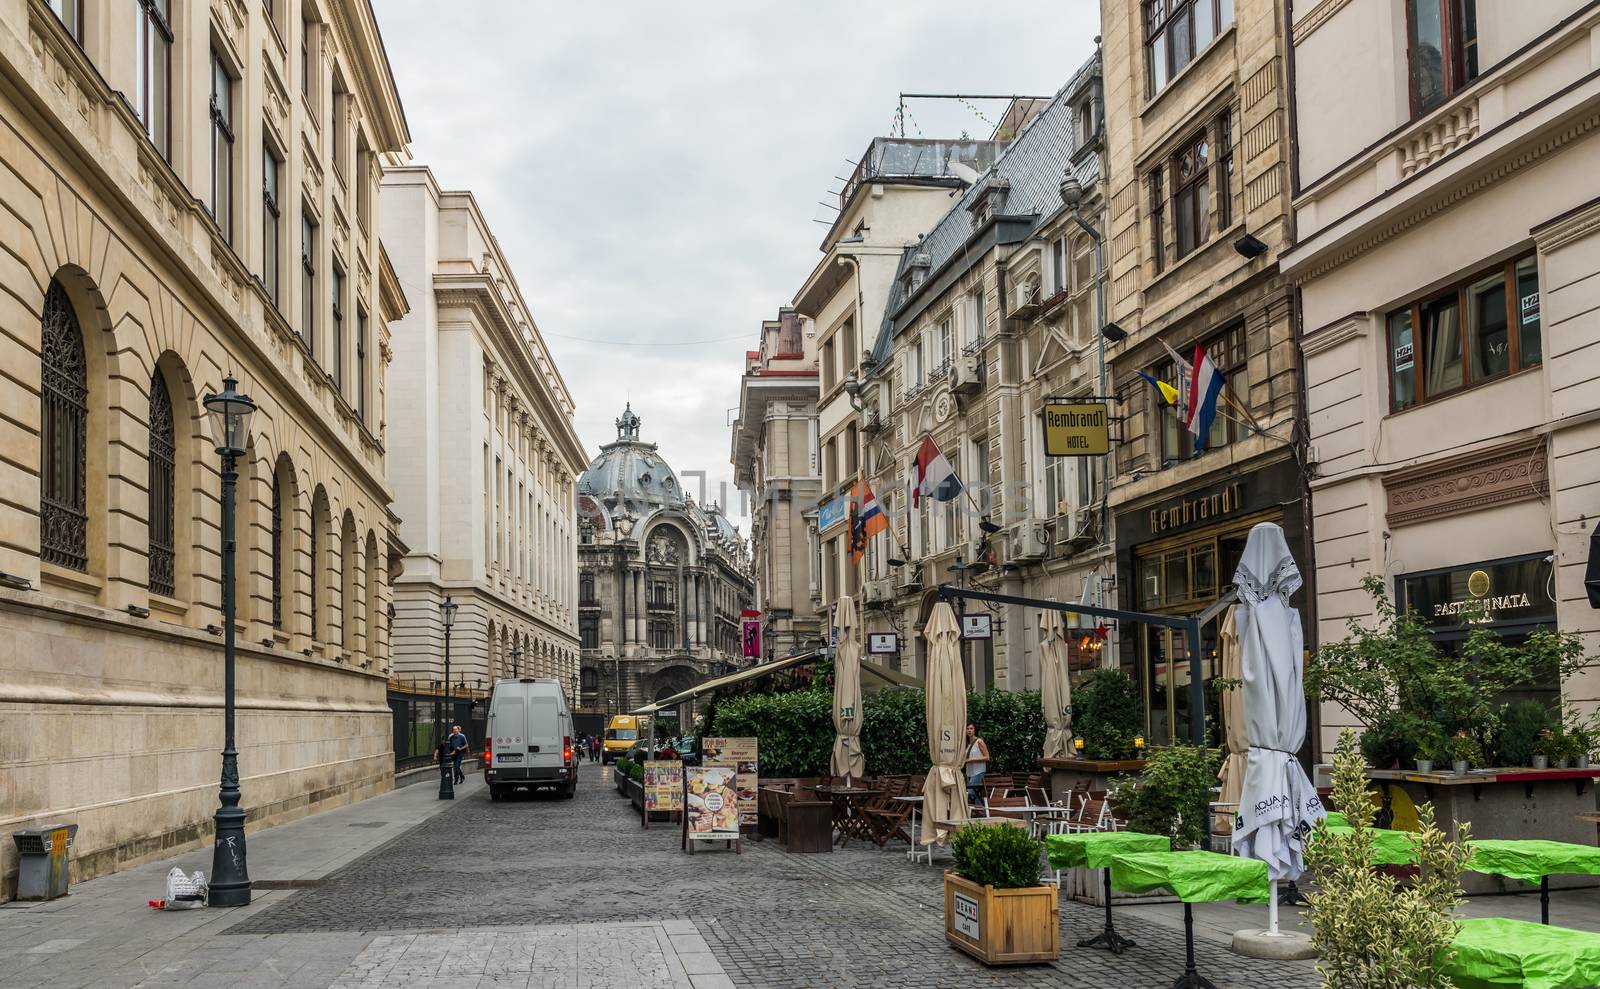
<point x="1055" y="689"/>
<point x="1278" y="805"/>
<point x="945" y="694"/>
<point x="848" y="759"/>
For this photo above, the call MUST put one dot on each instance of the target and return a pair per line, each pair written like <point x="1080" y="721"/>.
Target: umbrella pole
<point x="1272" y="910"/>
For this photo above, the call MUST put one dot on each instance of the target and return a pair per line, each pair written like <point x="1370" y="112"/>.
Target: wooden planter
<point x="1002" y="926"/>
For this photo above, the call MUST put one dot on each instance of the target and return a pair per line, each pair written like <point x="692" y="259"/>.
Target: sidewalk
<point x="104" y="934"/>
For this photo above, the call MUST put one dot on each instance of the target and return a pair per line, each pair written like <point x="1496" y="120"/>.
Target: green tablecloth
<point x="1095" y="849"/>
<point x="1532" y="859"/>
<point x="1336" y="819"/>
<point x="1388" y="847"/>
<point x="1495" y="953"/>
<point x="1196" y="877"/>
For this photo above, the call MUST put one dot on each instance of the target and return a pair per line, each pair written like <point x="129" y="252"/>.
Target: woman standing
<point x="977" y="764"/>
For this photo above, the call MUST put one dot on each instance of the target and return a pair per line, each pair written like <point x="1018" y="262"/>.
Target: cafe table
<point x="1497" y="953"/>
<point x="1533" y="860"/>
<point x="1095" y="850"/>
<point x="1195" y="877"/>
<point x="847" y="817"/>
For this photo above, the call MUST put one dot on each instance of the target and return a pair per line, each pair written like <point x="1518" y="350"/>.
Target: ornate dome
<point x="720" y="527"/>
<point x="630" y="473"/>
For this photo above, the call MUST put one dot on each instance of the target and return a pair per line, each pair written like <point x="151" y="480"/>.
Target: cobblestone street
<point x="857" y="917"/>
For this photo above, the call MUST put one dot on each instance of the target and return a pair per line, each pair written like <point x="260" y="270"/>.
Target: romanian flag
<point x="866" y="520"/>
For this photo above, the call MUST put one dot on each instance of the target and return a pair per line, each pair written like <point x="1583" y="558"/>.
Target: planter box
<point x="1089" y="886"/>
<point x="1002" y="926"/>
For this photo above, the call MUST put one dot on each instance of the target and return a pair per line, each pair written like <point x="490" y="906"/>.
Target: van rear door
<point x="508" y="727"/>
<point x="544" y="732"/>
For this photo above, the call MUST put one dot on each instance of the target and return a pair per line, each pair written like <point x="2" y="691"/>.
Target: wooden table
<point x="847" y="816"/>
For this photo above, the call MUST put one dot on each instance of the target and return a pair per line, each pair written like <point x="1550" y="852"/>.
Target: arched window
<point x="277" y="547"/>
<point x="64" y="445"/>
<point x="348" y="548"/>
<point x="161" y="520"/>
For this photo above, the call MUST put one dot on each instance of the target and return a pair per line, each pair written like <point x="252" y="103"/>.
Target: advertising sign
<point x="966" y="915"/>
<point x="883" y="643"/>
<point x="832" y="513"/>
<point x="1076" y="429"/>
<point x="750" y="633"/>
<point x="977" y="626"/>
<point x="740" y="755"/>
<point x="663" y="785"/>
<point x="711" y="803"/>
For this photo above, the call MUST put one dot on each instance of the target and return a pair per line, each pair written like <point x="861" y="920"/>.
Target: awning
<point x="884" y="676"/>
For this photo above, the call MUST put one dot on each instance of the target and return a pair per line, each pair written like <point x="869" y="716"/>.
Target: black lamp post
<point x="230" y="879"/>
<point x="447" y="779"/>
<point x="516" y="661"/>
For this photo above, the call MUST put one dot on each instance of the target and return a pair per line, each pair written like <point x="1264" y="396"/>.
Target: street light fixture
<point x="516" y="660"/>
<point x="447" y="779"/>
<point x="230" y="878"/>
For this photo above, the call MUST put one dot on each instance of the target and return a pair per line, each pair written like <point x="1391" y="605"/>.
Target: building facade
<point x="990" y="313"/>
<point x="192" y="196"/>
<point x="898" y="190"/>
<point x="1199" y="212"/>
<point x="485" y="491"/>
<point x="662" y="581"/>
<point x="1447" y="259"/>
<point x="775" y="463"/>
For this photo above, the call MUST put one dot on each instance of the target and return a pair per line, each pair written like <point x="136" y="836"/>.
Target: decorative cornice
<point x="1467" y="483"/>
<point x="1319" y="341"/>
<point x="1562" y="231"/>
<point x="1319" y="15"/>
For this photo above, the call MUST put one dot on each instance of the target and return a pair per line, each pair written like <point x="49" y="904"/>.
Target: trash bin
<point x="42" y="871"/>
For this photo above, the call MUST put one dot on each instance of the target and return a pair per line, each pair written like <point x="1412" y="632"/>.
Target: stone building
<point x="775" y="463"/>
<point x="486" y="489"/>
<point x="1448" y="261"/>
<point x="1198" y="213"/>
<point x="662" y="581"/>
<point x="990" y="313"/>
<point x="191" y="194"/>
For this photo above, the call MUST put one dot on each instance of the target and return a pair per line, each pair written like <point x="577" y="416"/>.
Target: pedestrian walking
<point x="458" y="750"/>
<point x="977" y="764"/>
<point x="583" y="748"/>
<point x="594" y="748"/>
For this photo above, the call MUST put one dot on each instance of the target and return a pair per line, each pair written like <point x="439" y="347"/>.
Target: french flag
<point x="935" y="478"/>
<point x="1205" y="384"/>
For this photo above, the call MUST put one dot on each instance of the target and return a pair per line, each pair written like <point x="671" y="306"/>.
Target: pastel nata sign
<point x="1076" y="429"/>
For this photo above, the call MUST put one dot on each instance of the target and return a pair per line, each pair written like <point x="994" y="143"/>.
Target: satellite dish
<point x="966" y="173"/>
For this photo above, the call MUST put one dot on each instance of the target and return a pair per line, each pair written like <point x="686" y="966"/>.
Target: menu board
<point x="663" y="785"/>
<point x="711" y="802"/>
<point x="740" y="754"/>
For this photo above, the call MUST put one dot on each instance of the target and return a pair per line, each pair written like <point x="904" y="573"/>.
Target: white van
<point x="529" y="738"/>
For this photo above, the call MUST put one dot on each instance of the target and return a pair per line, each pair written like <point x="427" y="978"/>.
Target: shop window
<point x="1442" y="49"/>
<point x="1229" y="351"/>
<point x="1481" y="329"/>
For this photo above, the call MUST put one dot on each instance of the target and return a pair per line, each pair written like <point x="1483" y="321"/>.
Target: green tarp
<point x="1196" y="877"/>
<point x="1336" y="819"/>
<point x="1531" y="859"/>
<point x="1495" y="953"/>
<point x="1388" y="847"/>
<point x="1095" y="849"/>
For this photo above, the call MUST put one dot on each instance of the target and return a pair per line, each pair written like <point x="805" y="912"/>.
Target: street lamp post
<point x="230" y="878"/>
<point x="516" y="661"/>
<point x="447" y="780"/>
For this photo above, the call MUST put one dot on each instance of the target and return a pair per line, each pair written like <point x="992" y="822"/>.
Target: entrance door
<point x="1166" y="669"/>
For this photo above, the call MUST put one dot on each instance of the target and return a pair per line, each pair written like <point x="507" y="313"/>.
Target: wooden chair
<point x="999" y="807"/>
<point x="889" y="817"/>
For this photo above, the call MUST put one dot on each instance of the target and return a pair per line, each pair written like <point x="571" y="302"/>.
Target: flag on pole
<point x="1205" y="384"/>
<point x="866" y="520"/>
<point x="1168" y="393"/>
<point x="1181" y="370"/>
<point x="935" y="478"/>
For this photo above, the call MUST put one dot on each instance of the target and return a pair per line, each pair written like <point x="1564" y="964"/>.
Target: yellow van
<point x="622" y="734"/>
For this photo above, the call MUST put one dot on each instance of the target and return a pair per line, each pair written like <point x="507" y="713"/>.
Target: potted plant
<point x="1432" y="748"/>
<point x="1546" y="746"/>
<point x="995" y="907"/>
<point x="1573" y="748"/>
<point x="1464" y="753"/>
<point x="1172" y="796"/>
<point x="1583" y="731"/>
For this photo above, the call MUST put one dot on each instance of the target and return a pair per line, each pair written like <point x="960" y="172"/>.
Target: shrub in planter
<point x="1464" y="750"/>
<point x="1172" y="796"/>
<point x="995" y="907"/>
<point x="1520" y="726"/>
<point x="998" y="856"/>
<point x="1107" y="714"/>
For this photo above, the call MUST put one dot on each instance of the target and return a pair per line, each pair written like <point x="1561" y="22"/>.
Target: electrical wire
<point x="644" y="343"/>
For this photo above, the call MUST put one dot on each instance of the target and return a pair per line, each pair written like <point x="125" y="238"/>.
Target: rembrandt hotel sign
<point x="1076" y="429"/>
<point x="1183" y="512"/>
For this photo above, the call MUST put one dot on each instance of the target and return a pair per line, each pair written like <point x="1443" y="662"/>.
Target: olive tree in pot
<point x="995" y="907"/>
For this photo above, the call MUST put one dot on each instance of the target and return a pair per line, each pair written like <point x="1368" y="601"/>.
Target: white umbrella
<point x="1278" y="805"/>
<point x="945" y="693"/>
<point x="848" y="759"/>
<point x="1237" y="733"/>
<point x="1055" y="689"/>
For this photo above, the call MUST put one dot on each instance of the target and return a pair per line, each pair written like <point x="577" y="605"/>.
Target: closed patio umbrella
<point x="1278" y="805"/>
<point x="945" y="693"/>
<point x="848" y="759"/>
<point x="1055" y="689"/>
<point x="1236" y="731"/>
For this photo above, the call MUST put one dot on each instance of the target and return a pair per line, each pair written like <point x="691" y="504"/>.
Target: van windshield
<point x="621" y="734"/>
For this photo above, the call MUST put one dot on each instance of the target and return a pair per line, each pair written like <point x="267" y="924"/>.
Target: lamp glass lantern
<point x="230" y="414"/>
<point x="448" y="611"/>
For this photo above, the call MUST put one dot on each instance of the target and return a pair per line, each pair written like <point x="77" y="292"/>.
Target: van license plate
<point x="509" y="757"/>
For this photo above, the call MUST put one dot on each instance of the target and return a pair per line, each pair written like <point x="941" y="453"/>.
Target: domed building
<point x="661" y="580"/>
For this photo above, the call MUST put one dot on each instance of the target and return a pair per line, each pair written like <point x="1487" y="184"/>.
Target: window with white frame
<point x="975" y="315"/>
<point x="153" y="82"/>
<point x="945" y="337"/>
<point x="1058" y="265"/>
<point x="221" y="113"/>
<point x="270" y="220"/>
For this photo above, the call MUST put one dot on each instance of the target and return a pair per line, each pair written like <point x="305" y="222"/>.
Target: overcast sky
<point x="653" y="170"/>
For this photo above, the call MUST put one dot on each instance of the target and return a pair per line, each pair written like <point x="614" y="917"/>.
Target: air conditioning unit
<point x="1063" y="507"/>
<point x="1024" y="298"/>
<point x="910" y="577"/>
<point x="1029" y="541"/>
<point x="966" y="374"/>
<point x="1083" y="525"/>
<point x="879" y="591"/>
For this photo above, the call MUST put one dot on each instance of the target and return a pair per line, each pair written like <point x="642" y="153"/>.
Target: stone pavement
<point x="405" y="890"/>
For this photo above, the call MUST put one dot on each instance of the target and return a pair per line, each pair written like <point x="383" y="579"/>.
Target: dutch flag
<point x="935" y="478"/>
<point x="1205" y="384"/>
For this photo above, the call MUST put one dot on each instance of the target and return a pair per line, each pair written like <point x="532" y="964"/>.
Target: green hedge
<point x="795" y="730"/>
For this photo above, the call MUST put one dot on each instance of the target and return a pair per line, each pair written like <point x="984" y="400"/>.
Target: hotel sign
<point x="1198" y="509"/>
<point x="1076" y="429"/>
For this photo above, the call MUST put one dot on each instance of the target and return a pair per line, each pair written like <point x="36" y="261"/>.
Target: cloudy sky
<point x="653" y="170"/>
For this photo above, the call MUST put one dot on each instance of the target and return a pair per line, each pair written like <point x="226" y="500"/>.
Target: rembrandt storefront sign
<point x="1197" y="509"/>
